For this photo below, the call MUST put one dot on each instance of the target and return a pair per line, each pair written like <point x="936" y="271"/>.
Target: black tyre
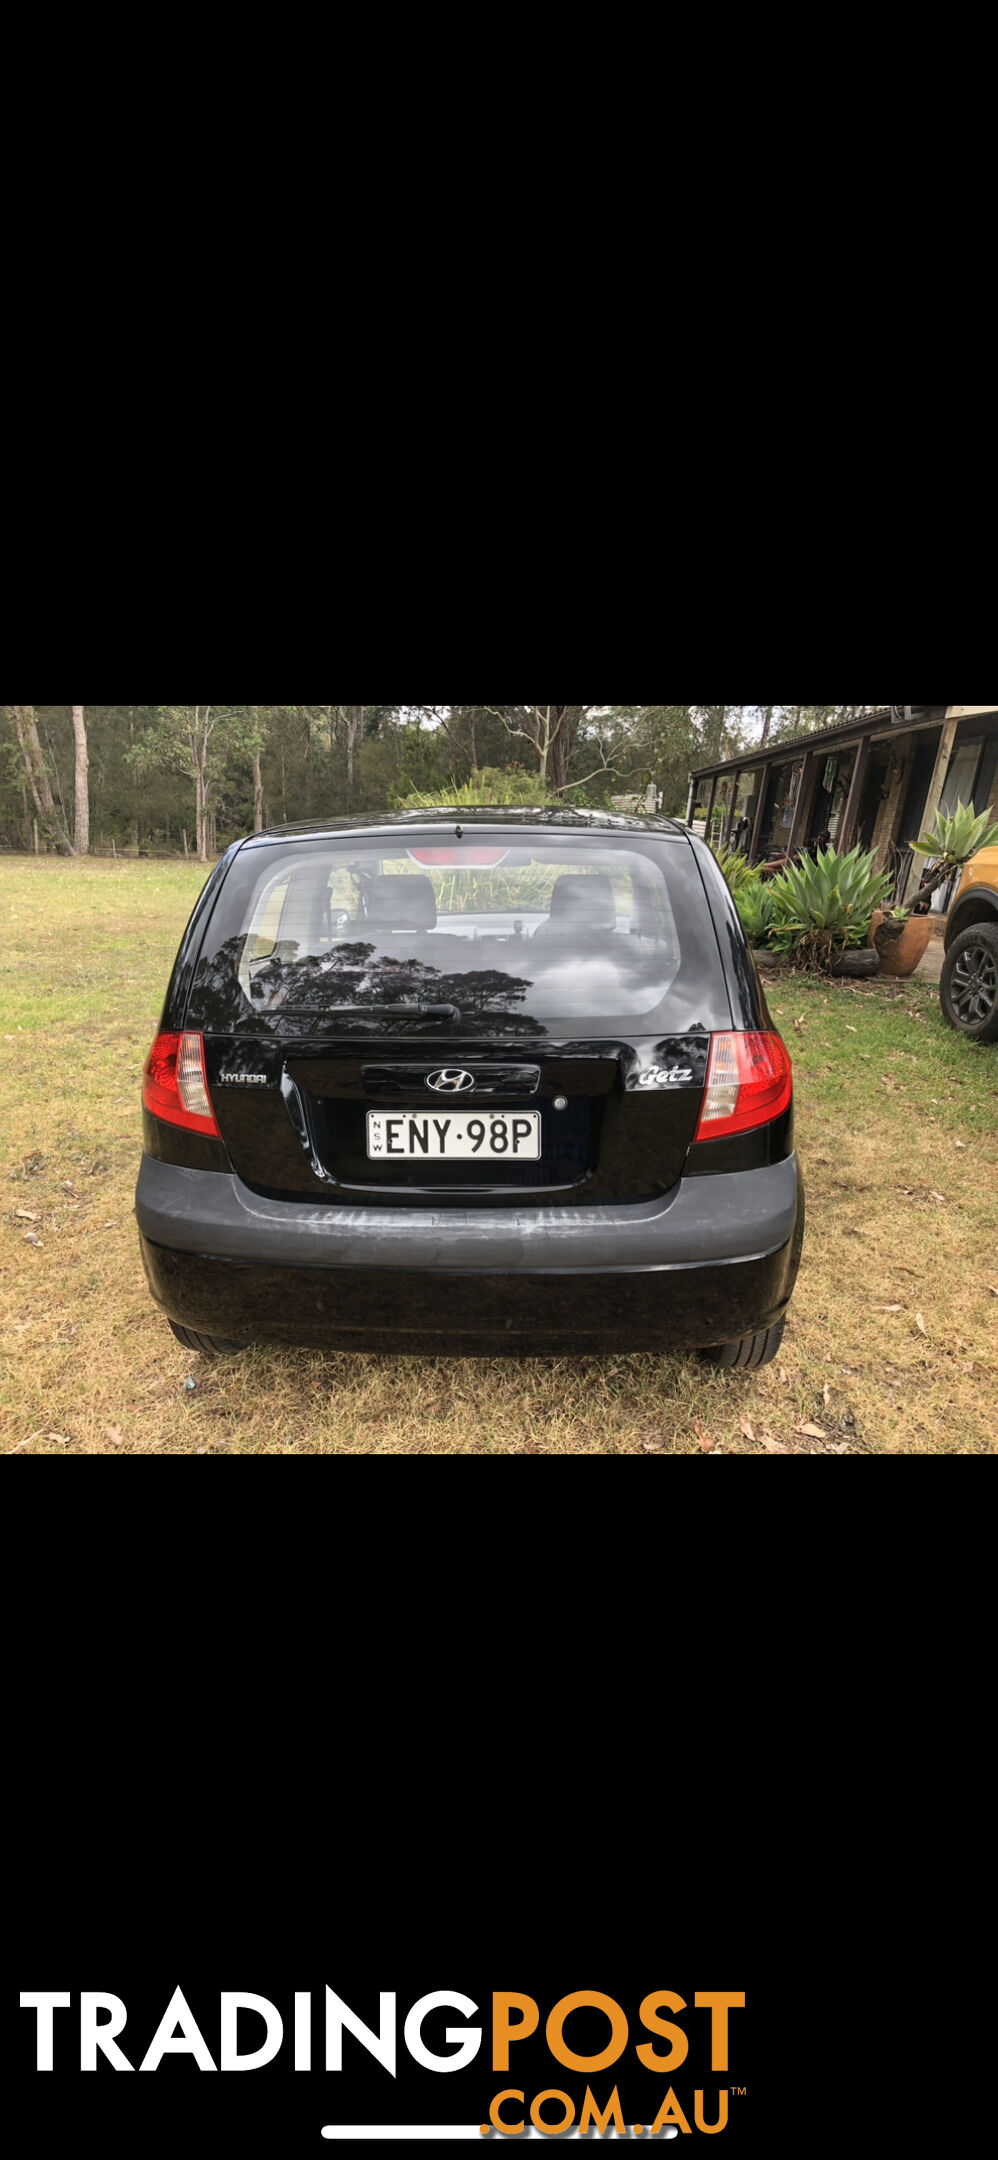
<point x="209" y="1345"/>
<point x="752" y="1350"/>
<point x="968" y="985"/>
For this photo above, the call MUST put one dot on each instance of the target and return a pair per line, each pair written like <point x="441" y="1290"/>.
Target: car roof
<point x="527" y="817"/>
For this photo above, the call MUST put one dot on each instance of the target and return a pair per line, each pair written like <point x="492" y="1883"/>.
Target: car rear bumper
<point x="715" y="1259"/>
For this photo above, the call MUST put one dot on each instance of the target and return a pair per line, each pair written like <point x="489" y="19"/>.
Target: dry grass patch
<point x="897" y="1132"/>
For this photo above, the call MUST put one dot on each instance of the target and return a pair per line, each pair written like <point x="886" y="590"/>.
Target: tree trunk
<point x="354" y="716"/>
<point x="53" y="766"/>
<point x="38" y="779"/>
<point x="81" y="833"/>
<point x="767" y="718"/>
<point x="309" y="773"/>
<point x="560" y="742"/>
<point x="27" y="814"/>
<point x="257" y="795"/>
<point x="199" y="816"/>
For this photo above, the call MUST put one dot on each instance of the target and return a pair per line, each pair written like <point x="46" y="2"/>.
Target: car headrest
<point x="587" y="901"/>
<point x="402" y="903"/>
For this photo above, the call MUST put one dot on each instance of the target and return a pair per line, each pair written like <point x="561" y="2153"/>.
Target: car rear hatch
<point x="441" y="1017"/>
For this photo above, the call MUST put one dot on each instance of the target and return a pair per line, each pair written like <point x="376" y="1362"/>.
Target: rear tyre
<point x="209" y="1345"/>
<point x="752" y="1350"/>
<point x="968" y="985"/>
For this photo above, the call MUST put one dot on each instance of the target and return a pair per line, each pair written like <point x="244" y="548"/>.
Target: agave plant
<point x="954" y="840"/>
<point x="754" y="902"/>
<point x="734" y="868"/>
<point x="823" y="905"/>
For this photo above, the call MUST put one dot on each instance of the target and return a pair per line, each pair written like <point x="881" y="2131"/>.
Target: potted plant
<point x="901" y="938"/>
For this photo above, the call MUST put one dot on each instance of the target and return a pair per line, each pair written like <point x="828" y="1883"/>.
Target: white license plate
<point x="454" y="1135"/>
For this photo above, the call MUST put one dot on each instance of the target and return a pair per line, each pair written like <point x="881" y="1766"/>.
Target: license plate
<point x="454" y="1135"/>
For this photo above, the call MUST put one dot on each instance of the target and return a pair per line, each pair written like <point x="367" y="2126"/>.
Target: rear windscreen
<point x="575" y="935"/>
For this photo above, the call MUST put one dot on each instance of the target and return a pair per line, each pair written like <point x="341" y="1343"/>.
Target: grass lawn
<point x="892" y="1341"/>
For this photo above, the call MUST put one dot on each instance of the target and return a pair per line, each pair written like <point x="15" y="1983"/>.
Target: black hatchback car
<point x="484" y="1081"/>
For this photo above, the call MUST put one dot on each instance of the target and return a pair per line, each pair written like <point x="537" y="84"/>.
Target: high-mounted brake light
<point x="749" y="1082"/>
<point x="175" y="1084"/>
<point x="480" y="858"/>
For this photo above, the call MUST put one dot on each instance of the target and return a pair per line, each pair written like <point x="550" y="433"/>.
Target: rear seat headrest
<point x="587" y="901"/>
<point x="401" y="903"/>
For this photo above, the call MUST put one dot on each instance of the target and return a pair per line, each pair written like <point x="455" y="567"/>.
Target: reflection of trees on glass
<point x="600" y="973"/>
<point x="284" y="987"/>
<point x="217" y="1000"/>
<point x="359" y="974"/>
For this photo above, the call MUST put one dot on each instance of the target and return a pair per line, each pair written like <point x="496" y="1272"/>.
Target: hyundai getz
<point x="470" y="1081"/>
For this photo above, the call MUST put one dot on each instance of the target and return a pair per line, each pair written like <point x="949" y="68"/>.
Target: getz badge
<point x="666" y="1076"/>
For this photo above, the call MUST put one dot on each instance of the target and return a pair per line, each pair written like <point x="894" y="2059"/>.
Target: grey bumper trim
<point x="741" y="1215"/>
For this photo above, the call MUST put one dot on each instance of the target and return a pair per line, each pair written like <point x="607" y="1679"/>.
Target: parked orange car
<point x="968" y="986"/>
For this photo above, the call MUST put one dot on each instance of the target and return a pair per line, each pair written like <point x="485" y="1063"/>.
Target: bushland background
<point x="188" y="779"/>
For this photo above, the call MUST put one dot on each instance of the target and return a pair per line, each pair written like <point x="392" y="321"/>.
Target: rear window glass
<point x="568" y="932"/>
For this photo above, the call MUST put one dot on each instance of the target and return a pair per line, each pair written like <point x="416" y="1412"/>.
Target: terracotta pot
<point x="901" y="955"/>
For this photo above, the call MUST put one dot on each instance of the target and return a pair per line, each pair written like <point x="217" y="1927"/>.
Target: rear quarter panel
<point x="977" y="895"/>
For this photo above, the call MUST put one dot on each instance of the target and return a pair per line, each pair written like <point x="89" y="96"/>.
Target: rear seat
<point x="400" y="921"/>
<point x="579" y="904"/>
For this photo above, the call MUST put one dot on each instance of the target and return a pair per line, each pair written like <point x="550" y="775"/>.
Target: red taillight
<point x="480" y="858"/>
<point x="175" y="1085"/>
<point x="749" y="1082"/>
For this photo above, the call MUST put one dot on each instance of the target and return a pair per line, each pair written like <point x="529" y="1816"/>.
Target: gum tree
<point x="36" y="773"/>
<point x="196" y="740"/>
<point x="81" y="813"/>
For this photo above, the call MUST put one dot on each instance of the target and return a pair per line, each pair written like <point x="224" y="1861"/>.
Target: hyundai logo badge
<point x="450" y="1081"/>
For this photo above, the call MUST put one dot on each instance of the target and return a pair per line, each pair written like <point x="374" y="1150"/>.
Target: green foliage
<point x="756" y="908"/>
<point x="158" y="772"/>
<point x="824" y="904"/>
<point x="735" y="869"/>
<point x="486" y="790"/>
<point x="955" y="839"/>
